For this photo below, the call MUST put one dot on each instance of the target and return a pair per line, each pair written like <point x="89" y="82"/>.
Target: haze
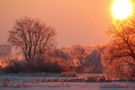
<point x="76" y="21"/>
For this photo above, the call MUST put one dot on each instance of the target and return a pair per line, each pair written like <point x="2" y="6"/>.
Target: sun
<point x="122" y="9"/>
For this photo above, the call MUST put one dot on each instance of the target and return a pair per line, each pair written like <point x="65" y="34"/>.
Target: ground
<point x="39" y="82"/>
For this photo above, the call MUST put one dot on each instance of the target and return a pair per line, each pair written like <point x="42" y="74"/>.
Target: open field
<point x="66" y="88"/>
<point x="70" y="86"/>
<point x="33" y="82"/>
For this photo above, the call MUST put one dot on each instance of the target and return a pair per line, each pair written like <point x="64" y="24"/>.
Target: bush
<point x="52" y="65"/>
<point x="80" y="69"/>
<point x="69" y="74"/>
<point x="14" y="66"/>
<point x="1" y="69"/>
<point x="98" y="78"/>
<point x="5" y="82"/>
<point x="57" y="65"/>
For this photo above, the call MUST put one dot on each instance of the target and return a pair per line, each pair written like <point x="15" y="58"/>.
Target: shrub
<point x="5" y="82"/>
<point x="69" y="74"/>
<point x="14" y="66"/>
<point x="57" y="65"/>
<point x="1" y="69"/>
<point x="49" y="65"/>
<point x="98" y="78"/>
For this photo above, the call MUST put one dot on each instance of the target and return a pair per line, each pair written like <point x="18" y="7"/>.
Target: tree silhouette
<point x="121" y="48"/>
<point x="78" y="52"/>
<point x="32" y="37"/>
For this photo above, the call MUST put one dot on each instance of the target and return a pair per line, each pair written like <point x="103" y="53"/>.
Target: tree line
<point x="36" y="41"/>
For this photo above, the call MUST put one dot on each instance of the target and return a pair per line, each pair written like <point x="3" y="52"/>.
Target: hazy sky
<point x="76" y="21"/>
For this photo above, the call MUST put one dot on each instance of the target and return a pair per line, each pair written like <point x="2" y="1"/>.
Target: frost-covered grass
<point x="54" y="81"/>
<point x="69" y="85"/>
<point x="64" y="77"/>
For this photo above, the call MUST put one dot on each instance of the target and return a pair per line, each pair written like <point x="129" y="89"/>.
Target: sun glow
<point x="122" y="9"/>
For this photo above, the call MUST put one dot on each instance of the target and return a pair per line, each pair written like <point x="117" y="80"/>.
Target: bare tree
<point x="122" y="46"/>
<point x="32" y="37"/>
<point x="78" y="52"/>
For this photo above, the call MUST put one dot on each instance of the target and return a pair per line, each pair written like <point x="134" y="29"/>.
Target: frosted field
<point x="15" y="82"/>
<point x="68" y="86"/>
<point x="65" y="88"/>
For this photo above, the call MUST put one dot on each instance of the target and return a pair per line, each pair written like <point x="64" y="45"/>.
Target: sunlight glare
<point x="122" y="9"/>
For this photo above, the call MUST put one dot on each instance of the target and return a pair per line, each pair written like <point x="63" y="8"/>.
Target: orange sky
<point x="76" y="21"/>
